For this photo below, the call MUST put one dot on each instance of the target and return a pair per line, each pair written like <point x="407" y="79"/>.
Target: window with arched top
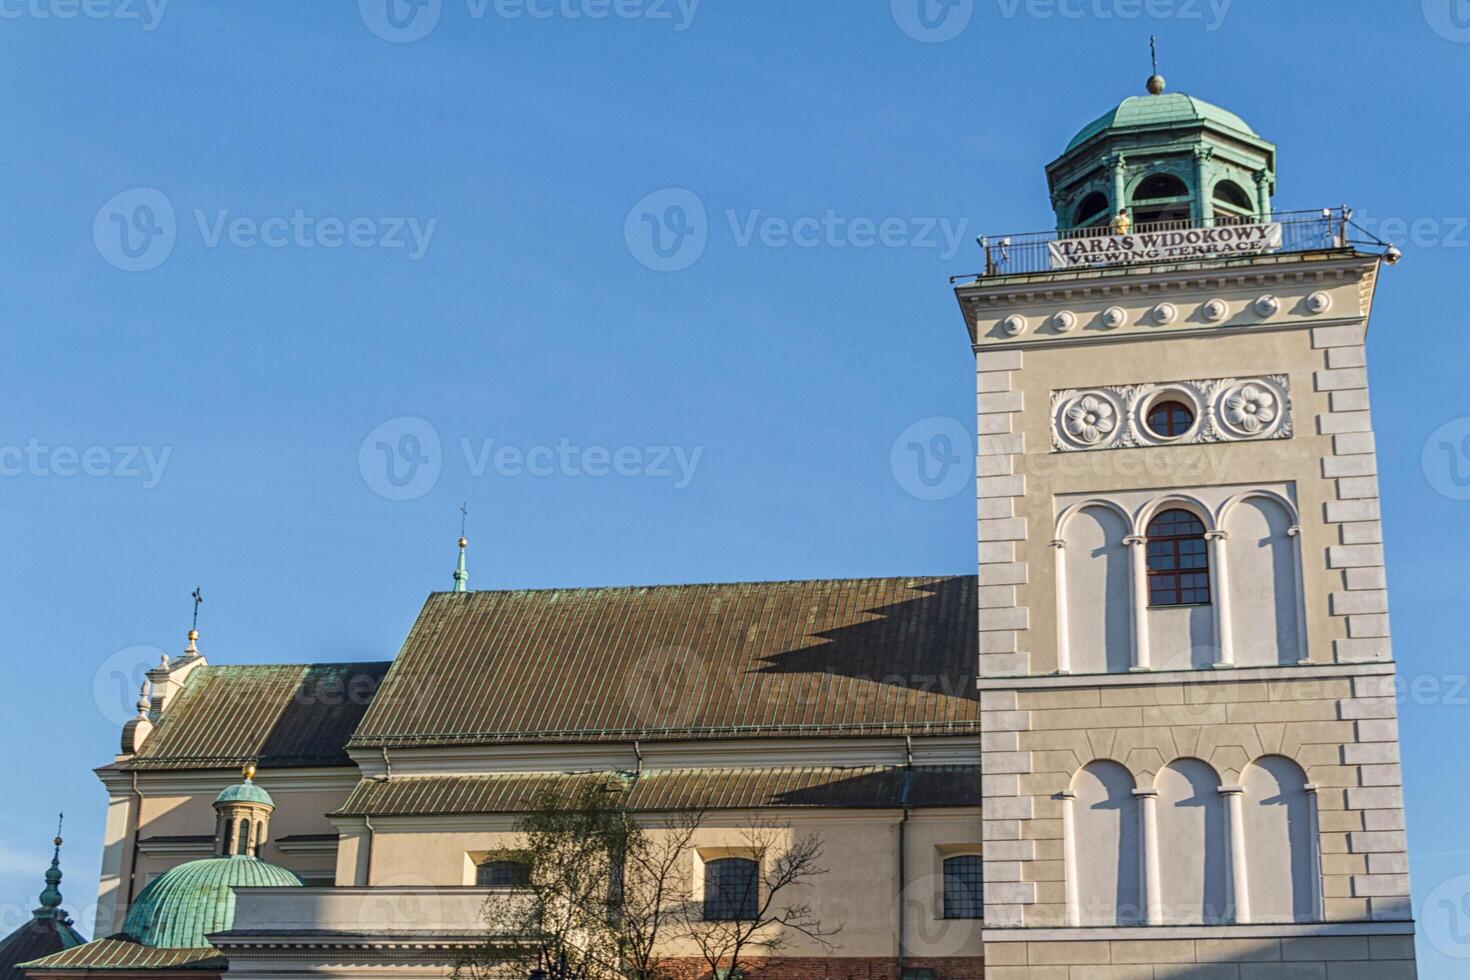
<point x="502" y="873"/>
<point x="1161" y="198"/>
<point x="964" y="887"/>
<point x="1178" y="560"/>
<point x="1093" y="208"/>
<point x="731" y="890"/>
<point x="242" y="845"/>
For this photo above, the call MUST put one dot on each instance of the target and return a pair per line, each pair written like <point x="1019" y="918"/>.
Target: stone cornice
<point x="1290" y="672"/>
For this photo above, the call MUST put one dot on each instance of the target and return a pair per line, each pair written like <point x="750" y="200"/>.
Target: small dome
<point x="246" y="792"/>
<point x="1155" y="110"/>
<point x="188" y="902"/>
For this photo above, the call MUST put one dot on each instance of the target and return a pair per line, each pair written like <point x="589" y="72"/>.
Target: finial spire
<point x="461" y="573"/>
<point x="1155" y="81"/>
<point x="51" y="896"/>
<point x="193" y="649"/>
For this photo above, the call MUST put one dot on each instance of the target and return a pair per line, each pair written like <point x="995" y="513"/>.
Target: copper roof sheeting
<point x="857" y="657"/>
<point x="122" y="953"/>
<point x="288" y="716"/>
<point x="881" y="787"/>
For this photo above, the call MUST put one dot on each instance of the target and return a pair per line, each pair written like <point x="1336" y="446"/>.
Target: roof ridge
<point x="708" y="585"/>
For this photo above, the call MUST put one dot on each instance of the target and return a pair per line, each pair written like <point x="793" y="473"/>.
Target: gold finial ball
<point x="193" y="634"/>
<point x="56" y="841"/>
<point x="249" y="772"/>
<point x="463" y="542"/>
<point x="1155" y="84"/>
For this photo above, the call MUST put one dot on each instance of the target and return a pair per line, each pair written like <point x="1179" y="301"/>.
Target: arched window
<point x="964" y="886"/>
<point x="1106" y="846"/>
<point x="1230" y="194"/>
<point x="1278" y="842"/>
<point x="1093" y="207"/>
<point x="731" y="890"/>
<point x="242" y="845"/>
<point x="502" y="873"/>
<point x="1192" y="843"/>
<point x="1178" y="560"/>
<point x="1159" y="198"/>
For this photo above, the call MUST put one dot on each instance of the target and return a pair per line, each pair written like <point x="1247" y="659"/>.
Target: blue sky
<point x="433" y="245"/>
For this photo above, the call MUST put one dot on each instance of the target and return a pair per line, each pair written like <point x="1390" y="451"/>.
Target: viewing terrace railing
<point x="1103" y="246"/>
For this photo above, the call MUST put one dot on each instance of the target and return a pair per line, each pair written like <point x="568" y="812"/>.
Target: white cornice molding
<point x="1284" y="930"/>
<point x="1204" y="675"/>
<point x="169" y="782"/>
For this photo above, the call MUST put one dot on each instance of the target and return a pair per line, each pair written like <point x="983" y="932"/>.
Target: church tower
<point x="1190" y="747"/>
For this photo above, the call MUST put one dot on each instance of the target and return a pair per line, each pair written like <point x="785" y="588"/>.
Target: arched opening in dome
<point x="1159" y="198"/>
<point x="1232" y="204"/>
<point x="1094" y="208"/>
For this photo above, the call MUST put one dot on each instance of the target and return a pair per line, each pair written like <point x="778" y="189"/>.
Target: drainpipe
<point x="133" y="859"/>
<point x="908" y="772"/>
<point x="372" y="837"/>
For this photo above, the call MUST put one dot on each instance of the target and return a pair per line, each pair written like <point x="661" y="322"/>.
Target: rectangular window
<point x="731" y="890"/>
<point x="964" y="887"/>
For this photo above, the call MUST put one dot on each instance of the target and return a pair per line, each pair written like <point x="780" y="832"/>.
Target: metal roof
<point x="880" y="787"/>
<point x="38" y="936"/>
<point x="121" y="953"/>
<point x="285" y="716"/>
<point x="852" y="656"/>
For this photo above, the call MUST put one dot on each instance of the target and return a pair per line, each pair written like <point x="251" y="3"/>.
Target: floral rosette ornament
<point x="1090" y="420"/>
<point x="1251" y="408"/>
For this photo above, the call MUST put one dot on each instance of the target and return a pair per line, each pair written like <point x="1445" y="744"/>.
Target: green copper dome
<point x="246" y="792"/>
<point x="186" y="903"/>
<point x="1163" y="109"/>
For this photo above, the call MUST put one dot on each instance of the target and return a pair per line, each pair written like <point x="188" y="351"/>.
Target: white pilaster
<point x="1238" y="899"/>
<point x="1148" y="827"/>
<point x="1220" y="597"/>
<point x="1064" y="655"/>
<point x="1138" y="569"/>
<point x="1069" y="855"/>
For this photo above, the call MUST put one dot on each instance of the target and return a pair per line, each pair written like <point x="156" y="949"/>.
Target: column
<point x="1119" y="169"/>
<point x="1148" y="828"/>
<point x="1263" y="195"/>
<point x="1220" y="597"/>
<point x="1303" y="655"/>
<point x="1314" y="845"/>
<point x="1239" y="900"/>
<point x="1204" y="206"/>
<point x="1138" y="567"/>
<point x="1069" y="856"/>
<point x="1064" y="653"/>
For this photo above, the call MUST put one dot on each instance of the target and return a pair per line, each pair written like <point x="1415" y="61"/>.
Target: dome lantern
<point x="1163" y="159"/>
<point x="243" y="817"/>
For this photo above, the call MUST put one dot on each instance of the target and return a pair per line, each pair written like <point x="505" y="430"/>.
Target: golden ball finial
<point x="249" y="772"/>
<point x="56" y="841"/>
<point x="193" y="634"/>
<point x="463" y="541"/>
<point x="1155" y="85"/>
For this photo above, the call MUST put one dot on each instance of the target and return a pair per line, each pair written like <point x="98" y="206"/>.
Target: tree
<point x="771" y="913"/>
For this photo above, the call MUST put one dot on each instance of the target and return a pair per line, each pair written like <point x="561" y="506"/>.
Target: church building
<point x="1153" y="736"/>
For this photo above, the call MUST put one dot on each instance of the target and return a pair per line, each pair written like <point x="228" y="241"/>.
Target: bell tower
<point x="1190" y="747"/>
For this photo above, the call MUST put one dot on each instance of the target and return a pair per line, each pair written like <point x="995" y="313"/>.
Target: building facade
<point x="1153" y="737"/>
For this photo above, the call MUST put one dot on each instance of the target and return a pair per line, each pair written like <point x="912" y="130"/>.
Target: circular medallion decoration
<point x="1165" y="313"/>
<point x="1014" y="325"/>
<point x="1090" y="419"/>
<point x="1319" y="302"/>
<point x="1114" y="316"/>
<point x="1064" y="321"/>
<point x="1215" y="310"/>
<point x="1250" y="408"/>
<point x="1268" y="305"/>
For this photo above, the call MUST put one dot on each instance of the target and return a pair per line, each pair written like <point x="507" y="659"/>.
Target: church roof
<point x="186" y="903"/>
<point x="887" y="656"/>
<point x="288" y="716"/>
<point x="865" y="787"/>
<point x="37" y="938"/>
<point x="123" y="953"/>
<point x="1156" y="110"/>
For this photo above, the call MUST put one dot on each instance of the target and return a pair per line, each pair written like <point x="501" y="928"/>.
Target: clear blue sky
<point x="518" y="146"/>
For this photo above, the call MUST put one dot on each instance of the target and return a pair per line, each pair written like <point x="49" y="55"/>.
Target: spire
<point x="461" y="573"/>
<point x="1155" y="84"/>
<point x="192" y="650"/>
<point x="51" y="896"/>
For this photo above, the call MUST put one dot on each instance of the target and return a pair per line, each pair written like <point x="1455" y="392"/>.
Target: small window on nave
<point x="501" y="873"/>
<point x="964" y="887"/>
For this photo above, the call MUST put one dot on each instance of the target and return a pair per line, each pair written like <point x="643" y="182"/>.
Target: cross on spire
<point x="198" y="595"/>
<point x="1153" y="51"/>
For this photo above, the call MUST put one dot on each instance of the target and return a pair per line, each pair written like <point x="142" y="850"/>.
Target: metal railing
<point x="1103" y="246"/>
